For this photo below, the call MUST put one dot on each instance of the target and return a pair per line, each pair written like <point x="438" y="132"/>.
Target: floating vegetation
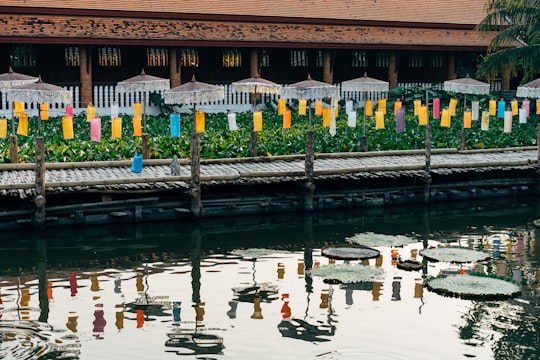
<point x="454" y="254"/>
<point x="372" y="239"/>
<point x="350" y="252"/>
<point x="473" y="287"/>
<point x="256" y="252"/>
<point x="348" y="273"/>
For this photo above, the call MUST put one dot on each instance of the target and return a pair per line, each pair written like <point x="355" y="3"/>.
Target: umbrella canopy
<point x="39" y="92"/>
<point x="256" y="85"/>
<point x="365" y="84"/>
<point x="467" y="85"/>
<point x="12" y="79"/>
<point x="194" y="92"/>
<point x="529" y="90"/>
<point x="143" y="82"/>
<point x="309" y="89"/>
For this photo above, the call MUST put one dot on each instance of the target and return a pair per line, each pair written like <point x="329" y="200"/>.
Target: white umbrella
<point x="529" y="90"/>
<point x="143" y="83"/>
<point x="12" y="79"/>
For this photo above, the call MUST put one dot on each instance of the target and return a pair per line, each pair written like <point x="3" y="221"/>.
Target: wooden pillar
<point x="392" y="70"/>
<point x="452" y="66"/>
<point x="505" y="80"/>
<point x="13" y="148"/>
<point x="39" y="199"/>
<point x="175" y="73"/>
<point x="85" y="75"/>
<point x="254" y="63"/>
<point x="145" y="145"/>
<point x="254" y="72"/>
<point x="328" y="72"/>
<point x="427" y="169"/>
<point x="309" y="165"/>
<point x="195" y="191"/>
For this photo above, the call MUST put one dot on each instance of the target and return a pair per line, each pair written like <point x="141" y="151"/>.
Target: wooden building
<point x="105" y="41"/>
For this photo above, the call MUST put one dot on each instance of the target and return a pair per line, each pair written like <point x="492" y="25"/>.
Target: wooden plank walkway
<point x="20" y="178"/>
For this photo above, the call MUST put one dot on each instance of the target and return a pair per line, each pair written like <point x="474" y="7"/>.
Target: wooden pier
<point x="59" y="194"/>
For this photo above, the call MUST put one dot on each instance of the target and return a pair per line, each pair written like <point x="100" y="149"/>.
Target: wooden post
<point x="427" y="170"/>
<point x="309" y="165"/>
<point x="451" y="66"/>
<point x="174" y="67"/>
<point x="195" y="191"/>
<point x="39" y="199"/>
<point x="328" y="71"/>
<point x="13" y="149"/>
<point x="253" y="141"/>
<point x="363" y="141"/>
<point x="462" y="140"/>
<point x="85" y="75"/>
<point x="145" y="146"/>
<point x="392" y="70"/>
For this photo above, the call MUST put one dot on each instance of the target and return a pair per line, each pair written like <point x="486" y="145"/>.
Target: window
<point x="71" y="54"/>
<point x="382" y="59"/>
<point x="157" y="57"/>
<point x="416" y="59"/>
<point x="109" y="56"/>
<point x="299" y="58"/>
<point x="359" y="59"/>
<point x="189" y="58"/>
<point x="23" y="56"/>
<point x="232" y="58"/>
<point x="319" y="59"/>
<point x="436" y="60"/>
<point x="264" y="58"/>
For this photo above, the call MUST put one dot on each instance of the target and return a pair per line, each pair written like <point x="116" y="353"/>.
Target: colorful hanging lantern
<point x="467" y="117"/>
<point x="501" y="108"/>
<point x="452" y="107"/>
<point x="18" y="108"/>
<point x="137" y="127"/>
<point x="257" y="121"/>
<point x="199" y="122"/>
<point x="302" y="103"/>
<point x="90" y="113"/>
<point x="281" y="106"/>
<point x="436" y="108"/>
<point x="137" y="109"/>
<point x="116" y="128"/>
<point x="537" y="106"/>
<point x="445" y="118"/>
<point x="484" y="125"/>
<point x="417" y="104"/>
<point x="492" y="107"/>
<point x="3" y="128"/>
<point x="69" y="110"/>
<point x="526" y="104"/>
<point x="231" y="119"/>
<point x="400" y="120"/>
<point x="287" y="119"/>
<point x="95" y="129"/>
<point x="174" y="122"/>
<point x="508" y="121"/>
<point x="318" y="107"/>
<point x="423" y="115"/>
<point x="522" y="115"/>
<point x="44" y="111"/>
<point x="382" y="106"/>
<point x="351" y="119"/>
<point x="67" y="127"/>
<point x="379" y="120"/>
<point x="397" y="105"/>
<point x="515" y="108"/>
<point x="326" y="117"/>
<point x="368" y="108"/>
<point x="22" y="127"/>
<point x="475" y="110"/>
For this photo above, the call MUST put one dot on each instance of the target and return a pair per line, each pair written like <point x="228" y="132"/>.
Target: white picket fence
<point x="106" y="96"/>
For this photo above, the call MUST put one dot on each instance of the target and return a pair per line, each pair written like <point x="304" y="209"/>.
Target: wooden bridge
<point x="96" y="192"/>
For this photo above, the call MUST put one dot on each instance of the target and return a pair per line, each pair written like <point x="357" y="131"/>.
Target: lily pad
<point x="454" y="254"/>
<point x="253" y="253"/>
<point x="473" y="287"/>
<point x="348" y="273"/>
<point x="372" y="239"/>
<point x="350" y="253"/>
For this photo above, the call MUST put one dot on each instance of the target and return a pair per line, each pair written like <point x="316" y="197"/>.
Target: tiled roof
<point x="462" y="12"/>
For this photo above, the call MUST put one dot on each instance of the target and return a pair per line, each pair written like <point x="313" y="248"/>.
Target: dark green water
<point x="158" y="291"/>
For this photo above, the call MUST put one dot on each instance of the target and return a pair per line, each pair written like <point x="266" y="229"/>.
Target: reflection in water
<point x="171" y="285"/>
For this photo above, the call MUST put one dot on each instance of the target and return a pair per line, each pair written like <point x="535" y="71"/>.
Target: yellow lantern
<point x="116" y="128"/>
<point x="484" y="125"/>
<point x="44" y="111"/>
<point x="379" y="119"/>
<point x="326" y="117"/>
<point x="369" y="108"/>
<point x="287" y="119"/>
<point x="90" y="112"/>
<point x="445" y="118"/>
<point x="137" y="128"/>
<point x="18" y="108"/>
<point x="318" y="107"/>
<point x="452" y="107"/>
<point x="417" y="104"/>
<point x="22" y="127"/>
<point x="423" y="115"/>
<point x="382" y="106"/>
<point x="492" y="107"/>
<point x="515" y="109"/>
<point x="137" y="109"/>
<point x="67" y="127"/>
<point x="3" y="128"/>
<point x="302" y="103"/>
<point x="281" y="106"/>
<point x="467" y="117"/>
<point x="199" y="122"/>
<point x="257" y="121"/>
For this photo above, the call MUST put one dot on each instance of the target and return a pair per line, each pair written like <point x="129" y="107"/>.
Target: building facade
<point x="102" y="42"/>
